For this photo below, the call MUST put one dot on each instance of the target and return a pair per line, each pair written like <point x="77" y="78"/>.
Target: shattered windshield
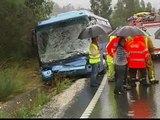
<point x="60" y="42"/>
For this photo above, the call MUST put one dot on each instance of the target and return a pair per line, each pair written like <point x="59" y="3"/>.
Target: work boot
<point x="154" y="81"/>
<point x="127" y="87"/>
<point x="119" y="92"/>
<point x="145" y="83"/>
<point x="111" y="80"/>
<point x="133" y="84"/>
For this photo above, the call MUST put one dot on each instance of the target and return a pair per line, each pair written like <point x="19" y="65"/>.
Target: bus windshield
<point x="60" y="40"/>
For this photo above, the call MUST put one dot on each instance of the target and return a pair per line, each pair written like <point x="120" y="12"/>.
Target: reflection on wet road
<point x="141" y="102"/>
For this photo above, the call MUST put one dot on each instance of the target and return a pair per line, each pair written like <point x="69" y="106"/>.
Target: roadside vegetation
<point x="16" y="78"/>
<point x="16" y="48"/>
<point x="19" y="69"/>
<point x="30" y="111"/>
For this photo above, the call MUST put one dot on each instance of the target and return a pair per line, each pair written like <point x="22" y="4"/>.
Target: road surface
<point x="141" y="102"/>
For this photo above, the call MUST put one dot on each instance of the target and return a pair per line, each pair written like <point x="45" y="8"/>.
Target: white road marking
<point x="94" y="100"/>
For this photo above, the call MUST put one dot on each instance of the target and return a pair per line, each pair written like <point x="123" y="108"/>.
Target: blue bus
<point x="59" y="49"/>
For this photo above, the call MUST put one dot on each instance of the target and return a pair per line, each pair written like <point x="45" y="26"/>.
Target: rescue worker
<point x="94" y="60"/>
<point x="139" y="56"/>
<point x="110" y="49"/>
<point x="150" y="66"/>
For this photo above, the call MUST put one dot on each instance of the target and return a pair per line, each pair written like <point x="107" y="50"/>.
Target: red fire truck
<point x="151" y="28"/>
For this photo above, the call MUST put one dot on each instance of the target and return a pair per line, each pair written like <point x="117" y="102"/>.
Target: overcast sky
<point x="86" y="3"/>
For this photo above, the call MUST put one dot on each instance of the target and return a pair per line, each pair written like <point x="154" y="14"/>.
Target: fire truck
<point x="151" y="28"/>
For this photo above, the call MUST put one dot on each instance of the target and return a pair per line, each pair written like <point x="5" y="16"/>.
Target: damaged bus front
<point x="59" y="49"/>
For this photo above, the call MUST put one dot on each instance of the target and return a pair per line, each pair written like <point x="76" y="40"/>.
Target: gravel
<point x="59" y="103"/>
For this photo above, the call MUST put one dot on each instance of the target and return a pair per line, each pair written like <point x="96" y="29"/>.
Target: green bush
<point x="62" y="84"/>
<point x="22" y="113"/>
<point x="3" y="114"/>
<point x="11" y="82"/>
<point x="30" y="111"/>
<point x="42" y="98"/>
<point x="8" y="83"/>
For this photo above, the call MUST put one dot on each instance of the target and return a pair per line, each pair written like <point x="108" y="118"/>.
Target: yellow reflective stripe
<point x="94" y="57"/>
<point x="146" y="43"/>
<point x="94" y="60"/>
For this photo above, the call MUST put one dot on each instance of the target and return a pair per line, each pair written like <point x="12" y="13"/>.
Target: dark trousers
<point x="125" y="82"/>
<point x="120" y="77"/>
<point x="133" y="72"/>
<point x="94" y="73"/>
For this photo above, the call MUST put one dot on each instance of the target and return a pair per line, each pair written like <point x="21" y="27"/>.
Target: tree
<point x="125" y="9"/>
<point x="149" y="7"/>
<point x="56" y="9"/>
<point x="101" y="8"/>
<point x="118" y="18"/>
<point x="154" y="10"/>
<point x="137" y="6"/>
<point x="159" y="11"/>
<point x="143" y="5"/>
<point x="95" y="5"/>
<point x="129" y="8"/>
<point x="67" y="8"/>
<point x="17" y="21"/>
<point x="40" y="8"/>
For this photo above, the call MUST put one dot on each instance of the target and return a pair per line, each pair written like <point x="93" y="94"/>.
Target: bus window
<point x="59" y="42"/>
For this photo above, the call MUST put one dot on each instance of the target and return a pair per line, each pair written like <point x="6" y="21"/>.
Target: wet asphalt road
<point x="141" y="102"/>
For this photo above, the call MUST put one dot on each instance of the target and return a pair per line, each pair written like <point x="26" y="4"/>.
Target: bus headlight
<point x="47" y="74"/>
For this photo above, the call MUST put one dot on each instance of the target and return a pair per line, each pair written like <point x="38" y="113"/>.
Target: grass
<point x="61" y="83"/>
<point x="41" y="99"/>
<point x="8" y="82"/>
<point x="3" y="114"/>
<point x="16" y="78"/>
<point x="31" y="111"/>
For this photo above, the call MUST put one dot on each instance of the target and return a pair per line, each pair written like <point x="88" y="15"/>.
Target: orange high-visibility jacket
<point x="148" y="42"/>
<point x="112" y="46"/>
<point x="139" y="54"/>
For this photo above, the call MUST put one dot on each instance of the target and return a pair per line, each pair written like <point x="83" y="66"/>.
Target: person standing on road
<point x="137" y="61"/>
<point x="120" y="61"/>
<point x="110" y="49"/>
<point x="150" y="66"/>
<point x="94" y="60"/>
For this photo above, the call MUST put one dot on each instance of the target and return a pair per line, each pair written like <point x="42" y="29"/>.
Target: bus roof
<point x="64" y="16"/>
<point x="69" y="15"/>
